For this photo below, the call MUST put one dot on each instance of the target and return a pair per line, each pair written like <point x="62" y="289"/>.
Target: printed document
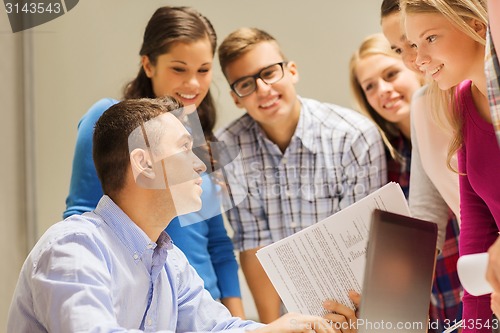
<point x="326" y="260"/>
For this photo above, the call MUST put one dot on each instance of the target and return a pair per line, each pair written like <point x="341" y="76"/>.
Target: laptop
<point x="398" y="274"/>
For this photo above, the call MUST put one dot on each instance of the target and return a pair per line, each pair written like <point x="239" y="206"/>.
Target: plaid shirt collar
<point x="301" y="133"/>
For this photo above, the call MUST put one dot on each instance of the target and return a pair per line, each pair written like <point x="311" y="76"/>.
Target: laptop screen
<point x="398" y="274"/>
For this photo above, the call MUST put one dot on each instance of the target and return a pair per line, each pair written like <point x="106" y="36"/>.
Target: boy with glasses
<point x="301" y="160"/>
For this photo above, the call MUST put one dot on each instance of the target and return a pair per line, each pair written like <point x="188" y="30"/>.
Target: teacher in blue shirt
<point x="115" y="269"/>
<point x="176" y="60"/>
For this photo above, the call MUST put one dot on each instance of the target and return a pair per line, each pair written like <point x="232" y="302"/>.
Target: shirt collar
<point x="303" y="132"/>
<point x="132" y="237"/>
<point x="305" y="128"/>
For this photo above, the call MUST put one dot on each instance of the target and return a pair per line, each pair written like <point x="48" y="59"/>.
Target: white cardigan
<point x="433" y="187"/>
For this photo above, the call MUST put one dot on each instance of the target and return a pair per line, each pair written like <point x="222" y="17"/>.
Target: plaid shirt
<point x="334" y="158"/>
<point x="492" y="69"/>
<point x="446" y="305"/>
<point x="399" y="171"/>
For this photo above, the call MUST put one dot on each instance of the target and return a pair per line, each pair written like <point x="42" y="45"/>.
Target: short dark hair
<point x="388" y="7"/>
<point x="111" y="132"/>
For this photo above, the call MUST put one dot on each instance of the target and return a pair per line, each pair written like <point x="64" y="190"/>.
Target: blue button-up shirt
<point x="99" y="272"/>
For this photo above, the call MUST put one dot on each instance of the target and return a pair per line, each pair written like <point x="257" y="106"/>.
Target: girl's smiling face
<point x="394" y="32"/>
<point x="388" y="85"/>
<point x="444" y="53"/>
<point x="185" y="72"/>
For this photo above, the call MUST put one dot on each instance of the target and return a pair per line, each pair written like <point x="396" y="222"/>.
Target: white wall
<point x="13" y="230"/>
<point x="92" y="51"/>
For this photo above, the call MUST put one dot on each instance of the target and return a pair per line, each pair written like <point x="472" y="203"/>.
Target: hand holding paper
<point x="342" y="316"/>
<point x="326" y="260"/>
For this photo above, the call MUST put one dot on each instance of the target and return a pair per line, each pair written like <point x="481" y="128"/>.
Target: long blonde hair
<point x="459" y="13"/>
<point x="373" y="45"/>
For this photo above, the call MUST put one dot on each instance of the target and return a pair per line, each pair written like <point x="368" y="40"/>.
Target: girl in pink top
<point x="449" y="37"/>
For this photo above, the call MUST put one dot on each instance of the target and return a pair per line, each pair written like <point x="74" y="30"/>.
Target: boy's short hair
<point x="241" y="41"/>
<point x="111" y="134"/>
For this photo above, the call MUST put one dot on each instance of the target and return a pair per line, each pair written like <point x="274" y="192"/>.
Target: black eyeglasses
<point x="248" y="84"/>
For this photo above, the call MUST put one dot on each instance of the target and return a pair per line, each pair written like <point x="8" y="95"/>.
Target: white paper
<point x="327" y="259"/>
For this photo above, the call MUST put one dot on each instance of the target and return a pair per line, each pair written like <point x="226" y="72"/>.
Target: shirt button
<point x="150" y="246"/>
<point x="149" y="321"/>
<point x="136" y="256"/>
<point x="293" y="225"/>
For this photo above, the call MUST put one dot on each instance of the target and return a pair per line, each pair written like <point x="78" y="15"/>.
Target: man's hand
<point x="342" y="317"/>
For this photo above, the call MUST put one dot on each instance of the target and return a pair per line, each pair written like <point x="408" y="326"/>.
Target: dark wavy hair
<point x="167" y="26"/>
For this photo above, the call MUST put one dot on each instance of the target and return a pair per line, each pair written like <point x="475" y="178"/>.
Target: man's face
<point x="269" y="105"/>
<point x="174" y="166"/>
